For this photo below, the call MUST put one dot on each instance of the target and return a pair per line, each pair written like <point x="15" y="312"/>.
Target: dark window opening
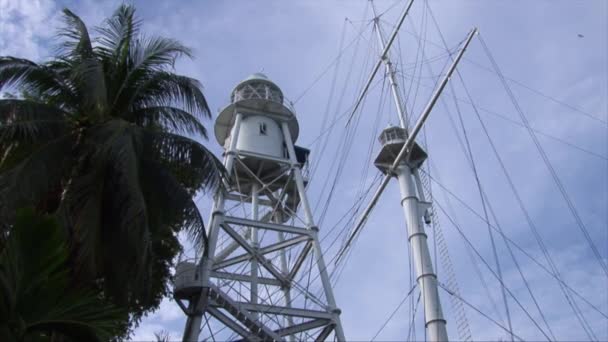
<point x="263" y="129"/>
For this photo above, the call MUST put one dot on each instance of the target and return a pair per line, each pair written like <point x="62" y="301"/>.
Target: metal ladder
<point x="254" y="325"/>
<point x="462" y="323"/>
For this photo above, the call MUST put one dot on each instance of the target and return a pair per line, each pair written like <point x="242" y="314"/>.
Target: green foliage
<point x="37" y="301"/>
<point x="162" y="336"/>
<point x="96" y="138"/>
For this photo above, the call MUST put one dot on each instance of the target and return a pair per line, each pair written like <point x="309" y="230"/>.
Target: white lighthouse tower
<point x="262" y="263"/>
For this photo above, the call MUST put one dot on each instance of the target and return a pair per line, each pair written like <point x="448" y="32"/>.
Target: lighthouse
<point x="255" y="276"/>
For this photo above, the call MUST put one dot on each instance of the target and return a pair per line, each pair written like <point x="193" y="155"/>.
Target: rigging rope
<point x="478" y="183"/>
<point x="573" y="304"/>
<point x="324" y="131"/>
<point x="411" y="331"/>
<point x="523" y="251"/>
<point x="531" y="224"/>
<point x="470" y="255"/>
<point x="332" y="87"/>
<point x="420" y="56"/>
<point x="300" y="293"/>
<point x="328" y="67"/>
<point x="541" y="94"/>
<point x="469" y="156"/>
<point x="548" y="164"/>
<point x="483" y="193"/>
<point x="462" y="323"/>
<point x="393" y="313"/>
<point x="325" y="138"/>
<point x="517" y="123"/>
<point x="523" y="85"/>
<point x="379" y="114"/>
<point x="359" y="203"/>
<point x="492" y="272"/>
<point x="343" y="147"/>
<point x="460" y="315"/>
<point x="338" y="118"/>
<point x="479" y="311"/>
<point x="349" y="135"/>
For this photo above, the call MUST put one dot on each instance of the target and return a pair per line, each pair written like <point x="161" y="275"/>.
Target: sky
<point x="555" y="55"/>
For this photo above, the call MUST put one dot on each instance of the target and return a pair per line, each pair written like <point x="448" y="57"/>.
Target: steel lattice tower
<point x="259" y="251"/>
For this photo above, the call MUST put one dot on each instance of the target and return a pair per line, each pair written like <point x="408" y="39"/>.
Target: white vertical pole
<point x="194" y="321"/>
<point x="425" y="275"/>
<point x="218" y="212"/>
<point x="255" y="244"/>
<point x="391" y="76"/>
<point x="318" y="253"/>
<point x="285" y="270"/>
<point x="391" y="39"/>
<point x="406" y="146"/>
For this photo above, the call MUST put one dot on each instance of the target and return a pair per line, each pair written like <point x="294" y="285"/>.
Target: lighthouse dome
<point x="257" y="86"/>
<point x="257" y="97"/>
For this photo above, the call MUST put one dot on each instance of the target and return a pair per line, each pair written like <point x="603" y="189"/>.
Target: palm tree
<point x="97" y="137"/>
<point x="37" y="302"/>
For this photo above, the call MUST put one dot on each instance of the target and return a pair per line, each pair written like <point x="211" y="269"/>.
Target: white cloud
<point x="169" y="311"/>
<point x="26" y="26"/>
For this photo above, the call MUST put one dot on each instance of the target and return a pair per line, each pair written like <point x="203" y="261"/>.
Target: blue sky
<point x="536" y="43"/>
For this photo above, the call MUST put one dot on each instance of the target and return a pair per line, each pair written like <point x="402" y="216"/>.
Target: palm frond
<point x="117" y="32"/>
<point x="30" y="77"/>
<point x="105" y="202"/>
<point x="157" y="53"/>
<point x="23" y="121"/>
<point x="176" y="120"/>
<point x="119" y="150"/>
<point x="77" y="42"/>
<point x="30" y="180"/>
<point x="123" y="246"/>
<point x="89" y="77"/>
<point x="146" y="56"/>
<point x="37" y="301"/>
<point x="168" y="89"/>
<point x="87" y="71"/>
<point x="162" y="336"/>
<point x="81" y="211"/>
<point x="166" y="191"/>
<point x="193" y="165"/>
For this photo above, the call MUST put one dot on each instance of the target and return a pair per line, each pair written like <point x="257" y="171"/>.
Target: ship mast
<point x="414" y="206"/>
<point x="390" y="70"/>
<point x="401" y="157"/>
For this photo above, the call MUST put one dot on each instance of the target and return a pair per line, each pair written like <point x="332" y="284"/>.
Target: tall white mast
<point x="390" y="71"/>
<point x="401" y="157"/>
<point x="413" y="208"/>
